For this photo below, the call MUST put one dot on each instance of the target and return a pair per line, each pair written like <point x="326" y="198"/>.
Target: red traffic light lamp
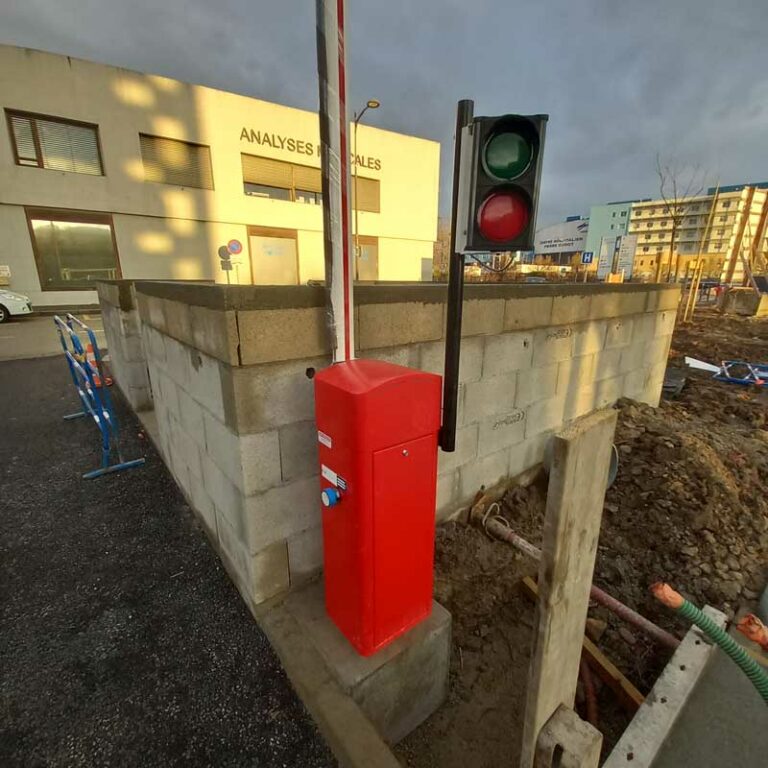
<point x="503" y="216"/>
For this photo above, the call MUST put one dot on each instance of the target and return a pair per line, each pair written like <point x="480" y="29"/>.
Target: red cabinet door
<point x="404" y="479"/>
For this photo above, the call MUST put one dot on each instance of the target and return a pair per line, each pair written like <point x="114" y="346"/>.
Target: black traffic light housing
<point x="499" y="183"/>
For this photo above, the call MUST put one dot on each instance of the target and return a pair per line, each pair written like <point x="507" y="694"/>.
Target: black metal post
<point x="464" y="113"/>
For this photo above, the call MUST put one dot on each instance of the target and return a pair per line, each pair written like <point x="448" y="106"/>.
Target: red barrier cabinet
<point x="377" y="430"/>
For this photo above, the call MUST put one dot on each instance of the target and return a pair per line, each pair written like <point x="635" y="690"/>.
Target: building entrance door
<point x="274" y="256"/>
<point x="368" y="259"/>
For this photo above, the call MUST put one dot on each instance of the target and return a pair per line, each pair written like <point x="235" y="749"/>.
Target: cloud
<point x="620" y="81"/>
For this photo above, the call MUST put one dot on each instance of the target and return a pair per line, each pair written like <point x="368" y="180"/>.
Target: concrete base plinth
<point x="398" y="687"/>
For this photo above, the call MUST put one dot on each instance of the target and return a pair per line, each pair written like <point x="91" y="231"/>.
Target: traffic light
<point x="499" y="182"/>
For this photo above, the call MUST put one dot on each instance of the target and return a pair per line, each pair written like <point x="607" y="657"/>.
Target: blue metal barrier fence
<point x="86" y="369"/>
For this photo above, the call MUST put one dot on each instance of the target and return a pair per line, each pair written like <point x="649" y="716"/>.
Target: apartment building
<point x="726" y="227"/>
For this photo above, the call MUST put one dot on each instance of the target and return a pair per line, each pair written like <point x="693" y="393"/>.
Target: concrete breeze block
<point x="432" y="358"/>
<point x="267" y="397"/>
<point x="178" y="321"/>
<point x="260" y="575"/>
<point x="507" y="352"/>
<point x="269" y="335"/>
<point x="533" y="312"/>
<point x="406" y="355"/>
<point x="528" y="453"/>
<point x="668" y="299"/>
<point x="203" y="505"/>
<point x="617" y="304"/>
<point x="251" y="462"/>
<point x="633" y="356"/>
<point x="152" y="311"/>
<point x="388" y="325"/>
<point x="177" y="362"/>
<point x="191" y="418"/>
<point x="154" y="345"/>
<point x="589" y="337"/>
<point x="448" y="493"/>
<point x="215" y="332"/>
<point x="483" y="473"/>
<point x="567" y="310"/>
<point x="226" y="496"/>
<point x="551" y="345"/>
<point x="305" y="555"/>
<point x="488" y="397"/>
<point x="501" y="432"/>
<point x="575" y="373"/>
<point x="536" y="384"/>
<point x="281" y="512"/>
<point x="482" y="316"/>
<point x="619" y="332"/>
<point x="205" y="383"/>
<point x="545" y="416"/>
<point x="166" y="390"/>
<point x="665" y="323"/>
<point x="298" y="450"/>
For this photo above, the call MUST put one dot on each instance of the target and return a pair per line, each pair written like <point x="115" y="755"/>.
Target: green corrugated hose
<point x="749" y="666"/>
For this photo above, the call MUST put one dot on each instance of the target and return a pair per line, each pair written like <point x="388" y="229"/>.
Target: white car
<point x="13" y="304"/>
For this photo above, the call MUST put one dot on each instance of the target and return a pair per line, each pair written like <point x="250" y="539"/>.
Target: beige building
<point x="727" y="227"/>
<point x="106" y="172"/>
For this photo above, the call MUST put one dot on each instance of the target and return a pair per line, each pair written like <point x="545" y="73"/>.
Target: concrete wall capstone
<point x="235" y="409"/>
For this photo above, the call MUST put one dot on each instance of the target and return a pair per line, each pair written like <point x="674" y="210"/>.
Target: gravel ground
<point x="122" y="641"/>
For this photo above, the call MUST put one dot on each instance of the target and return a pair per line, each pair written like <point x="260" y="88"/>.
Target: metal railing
<point x="87" y="371"/>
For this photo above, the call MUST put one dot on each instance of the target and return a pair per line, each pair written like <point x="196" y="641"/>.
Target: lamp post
<point x="370" y="104"/>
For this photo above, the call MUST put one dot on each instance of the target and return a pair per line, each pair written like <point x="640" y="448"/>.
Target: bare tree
<point x="441" y="251"/>
<point x="677" y="183"/>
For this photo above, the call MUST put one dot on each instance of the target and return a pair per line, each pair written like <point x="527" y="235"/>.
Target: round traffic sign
<point x="235" y="247"/>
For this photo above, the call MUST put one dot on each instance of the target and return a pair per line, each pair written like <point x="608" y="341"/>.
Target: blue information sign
<point x="587" y="256"/>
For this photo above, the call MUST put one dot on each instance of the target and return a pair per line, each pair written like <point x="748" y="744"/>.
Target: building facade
<point x="607" y="221"/>
<point x="726" y="227"/>
<point x="558" y="247"/>
<point x="107" y="172"/>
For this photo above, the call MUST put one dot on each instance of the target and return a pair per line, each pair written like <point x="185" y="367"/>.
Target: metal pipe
<point x="590" y="695"/>
<point x="464" y="113"/>
<point x="500" y="531"/>
<point x="756" y="674"/>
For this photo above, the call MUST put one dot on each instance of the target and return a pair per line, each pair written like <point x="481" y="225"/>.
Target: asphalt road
<point x="122" y="641"/>
<point x="35" y="336"/>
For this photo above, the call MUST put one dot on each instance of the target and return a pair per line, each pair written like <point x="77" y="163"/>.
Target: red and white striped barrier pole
<point x="335" y="159"/>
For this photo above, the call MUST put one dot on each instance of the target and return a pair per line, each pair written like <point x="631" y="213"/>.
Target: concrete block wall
<point x="228" y="368"/>
<point x="122" y="328"/>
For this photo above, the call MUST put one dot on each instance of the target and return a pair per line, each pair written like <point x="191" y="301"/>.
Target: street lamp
<point x="370" y="104"/>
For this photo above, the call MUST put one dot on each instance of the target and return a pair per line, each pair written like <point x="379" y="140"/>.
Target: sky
<point x="621" y="81"/>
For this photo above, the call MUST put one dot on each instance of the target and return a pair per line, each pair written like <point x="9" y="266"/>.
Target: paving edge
<point x="657" y="715"/>
<point x="349" y="733"/>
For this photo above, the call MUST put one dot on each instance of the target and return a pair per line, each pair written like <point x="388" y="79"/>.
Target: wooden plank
<point x="577" y="480"/>
<point x="609" y="673"/>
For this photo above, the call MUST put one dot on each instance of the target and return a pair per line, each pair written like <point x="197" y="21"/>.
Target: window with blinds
<point x="279" y="180"/>
<point x="368" y="194"/>
<point x="171" y="161"/>
<point x="55" y="143"/>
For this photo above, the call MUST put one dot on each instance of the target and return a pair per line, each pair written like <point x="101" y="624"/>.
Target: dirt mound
<point x="689" y="505"/>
